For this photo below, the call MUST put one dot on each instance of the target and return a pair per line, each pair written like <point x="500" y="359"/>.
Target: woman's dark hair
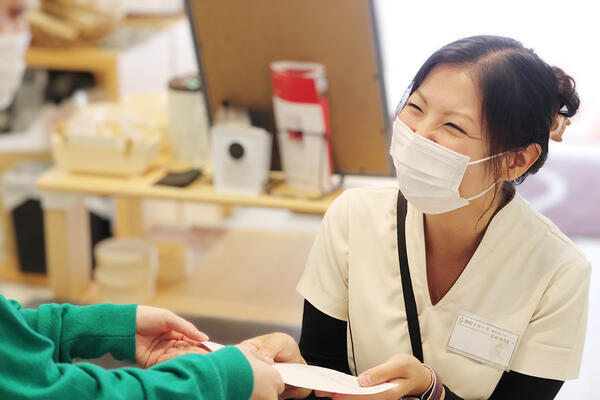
<point x="520" y="93"/>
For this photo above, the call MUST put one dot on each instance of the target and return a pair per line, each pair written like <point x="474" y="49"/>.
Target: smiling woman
<point x="499" y="307"/>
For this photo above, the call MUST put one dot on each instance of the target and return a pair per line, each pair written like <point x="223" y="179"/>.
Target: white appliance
<point x="242" y="158"/>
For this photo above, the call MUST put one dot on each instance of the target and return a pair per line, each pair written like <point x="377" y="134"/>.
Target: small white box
<point x="242" y="158"/>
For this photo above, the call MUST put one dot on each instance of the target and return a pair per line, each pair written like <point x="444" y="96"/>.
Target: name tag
<point x="485" y="342"/>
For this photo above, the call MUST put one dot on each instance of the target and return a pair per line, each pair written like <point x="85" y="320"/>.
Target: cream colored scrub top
<point x="525" y="276"/>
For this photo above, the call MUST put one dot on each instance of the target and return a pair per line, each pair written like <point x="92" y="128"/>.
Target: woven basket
<point x="64" y="23"/>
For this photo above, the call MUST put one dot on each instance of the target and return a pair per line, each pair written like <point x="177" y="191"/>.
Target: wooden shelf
<point x="201" y="191"/>
<point x="85" y="58"/>
<point x="90" y="57"/>
<point x="108" y="65"/>
<point x="100" y="62"/>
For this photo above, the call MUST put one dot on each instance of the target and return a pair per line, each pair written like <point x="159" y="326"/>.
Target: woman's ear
<point x="518" y="163"/>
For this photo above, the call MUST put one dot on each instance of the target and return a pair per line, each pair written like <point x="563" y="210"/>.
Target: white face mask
<point x="12" y="65"/>
<point x="429" y="174"/>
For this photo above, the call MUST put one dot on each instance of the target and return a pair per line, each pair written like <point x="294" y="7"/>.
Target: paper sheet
<point x="325" y="379"/>
<point x="318" y="378"/>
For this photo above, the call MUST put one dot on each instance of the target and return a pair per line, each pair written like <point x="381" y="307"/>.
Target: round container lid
<point x="124" y="251"/>
<point x="187" y="83"/>
<point x="115" y="281"/>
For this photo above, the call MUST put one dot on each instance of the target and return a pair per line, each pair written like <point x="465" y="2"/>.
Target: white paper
<point x="212" y="346"/>
<point x="326" y="380"/>
<point x="318" y="378"/>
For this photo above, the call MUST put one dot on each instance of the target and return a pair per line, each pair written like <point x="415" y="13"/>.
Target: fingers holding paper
<point x="280" y="348"/>
<point x="277" y="347"/>
<point x="409" y="374"/>
<point x="401" y="375"/>
<point x="268" y="384"/>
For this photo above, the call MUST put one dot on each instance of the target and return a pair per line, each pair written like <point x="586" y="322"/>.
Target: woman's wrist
<point x="427" y="383"/>
<point x="436" y="388"/>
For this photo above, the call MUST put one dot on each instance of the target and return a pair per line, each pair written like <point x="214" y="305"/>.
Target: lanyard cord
<point x="412" y="315"/>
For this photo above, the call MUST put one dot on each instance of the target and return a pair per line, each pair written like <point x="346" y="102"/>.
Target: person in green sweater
<point x="38" y="347"/>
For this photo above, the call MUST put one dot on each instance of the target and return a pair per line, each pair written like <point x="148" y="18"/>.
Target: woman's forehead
<point x="451" y="88"/>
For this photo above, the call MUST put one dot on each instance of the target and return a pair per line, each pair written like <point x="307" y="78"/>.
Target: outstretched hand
<point x="161" y="335"/>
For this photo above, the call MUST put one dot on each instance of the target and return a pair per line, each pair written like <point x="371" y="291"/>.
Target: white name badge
<point x="482" y="341"/>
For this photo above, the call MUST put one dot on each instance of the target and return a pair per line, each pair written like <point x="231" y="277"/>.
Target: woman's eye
<point x="416" y="107"/>
<point x="458" y="128"/>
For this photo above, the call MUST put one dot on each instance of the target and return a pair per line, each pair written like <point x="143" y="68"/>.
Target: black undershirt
<point x="323" y="343"/>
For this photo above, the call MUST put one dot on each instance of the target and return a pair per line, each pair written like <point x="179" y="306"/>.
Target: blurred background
<point x="168" y="152"/>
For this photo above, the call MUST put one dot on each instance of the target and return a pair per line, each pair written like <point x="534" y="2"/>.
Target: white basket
<point x="110" y="156"/>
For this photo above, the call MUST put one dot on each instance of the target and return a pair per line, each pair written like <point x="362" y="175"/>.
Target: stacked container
<point x="126" y="270"/>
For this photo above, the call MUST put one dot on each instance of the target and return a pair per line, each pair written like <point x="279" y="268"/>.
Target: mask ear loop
<point x="485" y="191"/>
<point x="493" y="184"/>
<point x="487" y="158"/>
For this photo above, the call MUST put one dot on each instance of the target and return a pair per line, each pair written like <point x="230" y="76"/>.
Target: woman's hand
<point x="267" y="381"/>
<point x="162" y="335"/>
<point x="279" y="347"/>
<point x="412" y="377"/>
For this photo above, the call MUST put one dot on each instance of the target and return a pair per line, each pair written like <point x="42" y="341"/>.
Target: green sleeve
<point x="85" y="331"/>
<point x="28" y="371"/>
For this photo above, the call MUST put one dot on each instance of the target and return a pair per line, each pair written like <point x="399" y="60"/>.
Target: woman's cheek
<point x="473" y="181"/>
<point x="408" y="120"/>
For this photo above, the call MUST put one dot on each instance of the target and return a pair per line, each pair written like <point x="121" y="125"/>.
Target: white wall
<point x="562" y="33"/>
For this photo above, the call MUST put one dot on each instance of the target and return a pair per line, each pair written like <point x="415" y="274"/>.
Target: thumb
<point x="252" y="349"/>
<point x="178" y="324"/>
<point x="267" y="347"/>
<point x="276" y="347"/>
<point x="268" y="351"/>
<point x="376" y="375"/>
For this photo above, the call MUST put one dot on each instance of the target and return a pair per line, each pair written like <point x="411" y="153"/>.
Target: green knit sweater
<point x="37" y="348"/>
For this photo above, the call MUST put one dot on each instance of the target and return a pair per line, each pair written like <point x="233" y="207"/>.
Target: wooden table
<point x="68" y="250"/>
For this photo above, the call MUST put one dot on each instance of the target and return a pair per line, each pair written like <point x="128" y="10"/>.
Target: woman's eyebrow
<point x="421" y="96"/>
<point x="460" y="114"/>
